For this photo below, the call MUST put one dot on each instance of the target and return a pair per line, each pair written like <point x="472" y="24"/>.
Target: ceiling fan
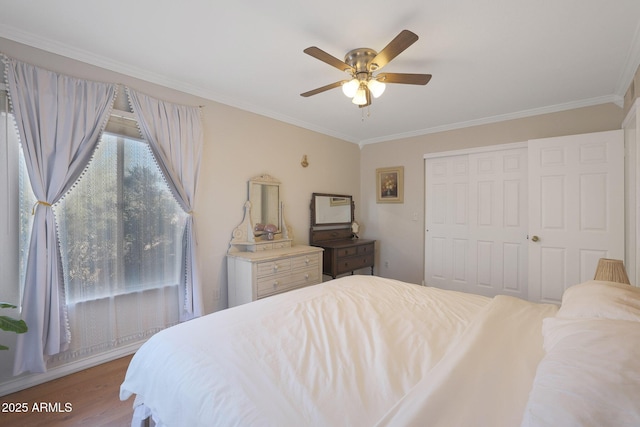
<point x="361" y="63"/>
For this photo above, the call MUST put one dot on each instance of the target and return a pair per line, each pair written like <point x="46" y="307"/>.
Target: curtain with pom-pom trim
<point x="60" y="120"/>
<point x="174" y="133"/>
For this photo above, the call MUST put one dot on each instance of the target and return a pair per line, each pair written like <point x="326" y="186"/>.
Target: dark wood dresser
<point x="342" y="253"/>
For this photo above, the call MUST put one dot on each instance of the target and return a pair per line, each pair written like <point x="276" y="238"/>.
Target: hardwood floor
<point x="86" y="398"/>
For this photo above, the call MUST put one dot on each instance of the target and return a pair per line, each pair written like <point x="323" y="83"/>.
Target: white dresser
<point x="262" y="259"/>
<point x="255" y="275"/>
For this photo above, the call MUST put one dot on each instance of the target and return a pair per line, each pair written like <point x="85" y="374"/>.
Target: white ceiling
<point x="490" y="59"/>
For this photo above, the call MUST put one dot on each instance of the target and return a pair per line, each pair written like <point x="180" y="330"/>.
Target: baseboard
<point x="29" y="380"/>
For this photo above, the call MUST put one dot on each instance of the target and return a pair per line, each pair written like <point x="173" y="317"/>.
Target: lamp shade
<point x="376" y="87"/>
<point x="361" y="96"/>
<point x="611" y="270"/>
<point x="349" y="88"/>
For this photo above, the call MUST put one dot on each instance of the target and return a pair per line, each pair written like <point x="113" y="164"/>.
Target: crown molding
<point x="615" y="99"/>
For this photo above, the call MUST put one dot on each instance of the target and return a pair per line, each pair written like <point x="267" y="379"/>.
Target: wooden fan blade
<point x="323" y="88"/>
<point x="329" y="59"/>
<point x="395" y="47"/>
<point x="409" y="79"/>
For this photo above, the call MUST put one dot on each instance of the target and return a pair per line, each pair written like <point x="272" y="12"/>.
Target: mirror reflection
<point x="265" y="202"/>
<point x="332" y="209"/>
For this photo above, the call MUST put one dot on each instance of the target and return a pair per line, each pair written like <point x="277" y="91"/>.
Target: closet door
<point x="476" y="222"/>
<point x="576" y="188"/>
<point x="447" y="223"/>
<point x="498" y="222"/>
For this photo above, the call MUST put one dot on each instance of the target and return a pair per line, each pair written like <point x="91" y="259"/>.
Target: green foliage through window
<point x="120" y="228"/>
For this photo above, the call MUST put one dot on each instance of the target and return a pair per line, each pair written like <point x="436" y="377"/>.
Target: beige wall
<point x="400" y="227"/>
<point x="241" y="145"/>
<point x="238" y="145"/>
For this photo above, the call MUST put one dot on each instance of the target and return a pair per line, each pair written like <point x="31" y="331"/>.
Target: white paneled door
<point x="447" y="214"/>
<point x="526" y="220"/>
<point x="498" y="222"/>
<point x="576" y="209"/>
<point x="476" y="221"/>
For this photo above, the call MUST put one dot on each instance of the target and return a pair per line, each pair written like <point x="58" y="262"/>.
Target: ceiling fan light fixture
<point x="361" y="96"/>
<point x="360" y="64"/>
<point x="376" y="87"/>
<point x="350" y="88"/>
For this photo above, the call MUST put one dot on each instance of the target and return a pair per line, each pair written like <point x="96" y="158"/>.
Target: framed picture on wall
<point x="390" y="185"/>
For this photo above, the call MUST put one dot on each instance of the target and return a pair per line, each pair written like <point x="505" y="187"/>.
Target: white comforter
<point x="486" y="377"/>
<point x="336" y="354"/>
<point x="355" y="351"/>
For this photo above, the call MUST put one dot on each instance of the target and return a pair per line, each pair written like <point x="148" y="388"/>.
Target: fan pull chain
<point x="364" y="116"/>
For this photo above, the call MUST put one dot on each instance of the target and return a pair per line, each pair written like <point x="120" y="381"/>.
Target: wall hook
<point x="304" y="161"/>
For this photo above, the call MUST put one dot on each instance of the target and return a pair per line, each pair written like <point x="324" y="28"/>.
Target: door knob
<point x="535" y="238"/>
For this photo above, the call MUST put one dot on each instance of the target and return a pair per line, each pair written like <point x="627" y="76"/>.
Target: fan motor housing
<point x="360" y="59"/>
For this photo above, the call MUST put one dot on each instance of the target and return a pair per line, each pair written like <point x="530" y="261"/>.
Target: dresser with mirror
<point x="333" y="228"/>
<point x="262" y="259"/>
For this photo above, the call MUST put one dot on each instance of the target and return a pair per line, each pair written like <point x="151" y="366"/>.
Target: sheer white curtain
<point x="174" y="133"/>
<point x="59" y="120"/>
<point x="121" y="235"/>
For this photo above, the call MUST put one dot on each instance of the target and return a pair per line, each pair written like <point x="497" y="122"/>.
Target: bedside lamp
<point x="611" y="270"/>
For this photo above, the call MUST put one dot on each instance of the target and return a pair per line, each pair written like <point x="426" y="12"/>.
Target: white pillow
<point x="597" y="299"/>
<point x="590" y="375"/>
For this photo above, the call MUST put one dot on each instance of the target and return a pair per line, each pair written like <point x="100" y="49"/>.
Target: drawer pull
<point x="275" y="267"/>
<point x="306" y="276"/>
<point x="275" y="284"/>
<point x="306" y="260"/>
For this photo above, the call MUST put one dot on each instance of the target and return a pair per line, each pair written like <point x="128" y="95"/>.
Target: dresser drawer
<point x="366" y="249"/>
<point x="350" y="251"/>
<point x="263" y="247"/>
<point x="346" y="265"/>
<point x="273" y="267"/>
<point x="272" y="284"/>
<point x="281" y="244"/>
<point x="305" y="277"/>
<point x="305" y="261"/>
<point x="284" y="281"/>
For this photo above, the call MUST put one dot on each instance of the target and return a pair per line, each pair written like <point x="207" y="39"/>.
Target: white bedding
<point x="368" y="351"/>
<point x="337" y="354"/>
<point x="590" y="374"/>
<point x="485" y="378"/>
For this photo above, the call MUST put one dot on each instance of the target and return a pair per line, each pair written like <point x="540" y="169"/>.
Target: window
<point x="120" y="228"/>
<point x="121" y="237"/>
<point x="9" y="290"/>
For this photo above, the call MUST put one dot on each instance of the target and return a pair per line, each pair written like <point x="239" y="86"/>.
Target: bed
<point x="369" y="351"/>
